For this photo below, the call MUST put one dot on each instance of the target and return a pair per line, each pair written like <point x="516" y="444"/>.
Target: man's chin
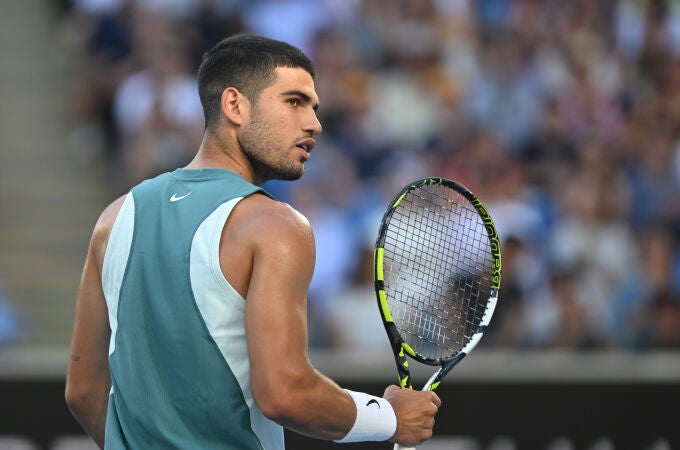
<point x="289" y="175"/>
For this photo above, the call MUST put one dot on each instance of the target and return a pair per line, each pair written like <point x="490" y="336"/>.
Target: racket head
<point x="437" y="272"/>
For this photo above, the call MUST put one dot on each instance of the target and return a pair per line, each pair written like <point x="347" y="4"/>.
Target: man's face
<point x="278" y="137"/>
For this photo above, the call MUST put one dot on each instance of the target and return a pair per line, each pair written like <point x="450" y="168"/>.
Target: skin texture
<point x="258" y="141"/>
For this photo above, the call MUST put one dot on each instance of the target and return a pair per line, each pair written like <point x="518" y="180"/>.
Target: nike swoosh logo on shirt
<point x="175" y="198"/>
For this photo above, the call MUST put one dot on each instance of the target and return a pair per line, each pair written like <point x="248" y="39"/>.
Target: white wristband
<point x="375" y="419"/>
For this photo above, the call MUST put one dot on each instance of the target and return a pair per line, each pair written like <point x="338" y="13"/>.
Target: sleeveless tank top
<point x="178" y="358"/>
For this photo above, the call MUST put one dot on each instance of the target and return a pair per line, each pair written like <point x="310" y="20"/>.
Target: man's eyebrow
<point x="302" y="95"/>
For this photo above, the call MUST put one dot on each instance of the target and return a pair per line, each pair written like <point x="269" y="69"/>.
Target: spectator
<point x="561" y="116"/>
<point x="157" y="111"/>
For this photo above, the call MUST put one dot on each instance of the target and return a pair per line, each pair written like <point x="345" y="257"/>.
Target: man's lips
<point x="307" y="145"/>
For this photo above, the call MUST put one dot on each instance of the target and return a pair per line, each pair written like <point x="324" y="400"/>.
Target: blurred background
<point x="563" y="117"/>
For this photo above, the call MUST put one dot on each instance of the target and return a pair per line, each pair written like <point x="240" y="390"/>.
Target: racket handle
<point x="425" y="388"/>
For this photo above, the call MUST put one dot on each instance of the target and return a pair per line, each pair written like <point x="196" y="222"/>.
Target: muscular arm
<point x="285" y="385"/>
<point x="88" y="380"/>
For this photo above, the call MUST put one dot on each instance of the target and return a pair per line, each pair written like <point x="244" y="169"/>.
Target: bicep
<point x="276" y="303"/>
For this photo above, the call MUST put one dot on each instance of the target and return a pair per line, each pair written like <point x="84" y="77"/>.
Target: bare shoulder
<point x="102" y="229"/>
<point x="269" y="219"/>
<point x="263" y="232"/>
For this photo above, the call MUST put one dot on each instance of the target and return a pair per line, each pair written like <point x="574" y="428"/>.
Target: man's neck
<point x="217" y="152"/>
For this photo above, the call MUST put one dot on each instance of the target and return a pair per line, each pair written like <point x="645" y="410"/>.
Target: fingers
<point x="436" y="400"/>
<point x="415" y="411"/>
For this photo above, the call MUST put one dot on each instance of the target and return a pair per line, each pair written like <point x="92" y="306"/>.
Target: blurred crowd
<point x="562" y="116"/>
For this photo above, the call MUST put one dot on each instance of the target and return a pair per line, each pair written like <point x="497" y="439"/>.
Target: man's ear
<point x="235" y="106"/>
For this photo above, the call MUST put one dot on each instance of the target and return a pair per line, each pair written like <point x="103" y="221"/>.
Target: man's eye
<point x="294" y="101"/>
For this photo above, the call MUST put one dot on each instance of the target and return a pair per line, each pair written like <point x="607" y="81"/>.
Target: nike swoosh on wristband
<point x="175" y="198"/>
<point x="372" y="401"/>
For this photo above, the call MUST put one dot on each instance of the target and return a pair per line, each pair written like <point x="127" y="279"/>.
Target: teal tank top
<point x="178" y="358"/>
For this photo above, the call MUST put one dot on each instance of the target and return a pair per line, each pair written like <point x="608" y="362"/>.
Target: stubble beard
<point x="269" y="160"/>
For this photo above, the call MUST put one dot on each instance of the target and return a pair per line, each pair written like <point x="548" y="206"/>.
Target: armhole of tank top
<point x="221" y="215"/>
<point x="115" y="262"/>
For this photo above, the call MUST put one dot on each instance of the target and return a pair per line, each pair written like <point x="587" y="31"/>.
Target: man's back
<point x="178" y="356"/>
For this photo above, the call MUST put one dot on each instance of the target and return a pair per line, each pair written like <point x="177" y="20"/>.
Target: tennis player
<point x="190" y="326"/>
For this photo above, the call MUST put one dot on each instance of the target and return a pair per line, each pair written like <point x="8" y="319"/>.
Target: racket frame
<point x="400" y="347"/>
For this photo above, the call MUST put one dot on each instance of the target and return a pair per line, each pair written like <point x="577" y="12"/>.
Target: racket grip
<point x="399" y="447"/>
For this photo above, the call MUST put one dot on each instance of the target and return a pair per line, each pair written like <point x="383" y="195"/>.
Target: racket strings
<point x="437" y="270"/>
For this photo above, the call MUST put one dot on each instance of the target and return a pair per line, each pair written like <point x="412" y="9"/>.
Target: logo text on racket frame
<point x="493" y="241"/>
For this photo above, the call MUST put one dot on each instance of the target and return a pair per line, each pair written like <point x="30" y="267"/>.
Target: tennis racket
<point x="437" y="271"/>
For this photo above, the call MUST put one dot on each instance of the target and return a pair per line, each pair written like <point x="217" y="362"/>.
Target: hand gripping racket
<point x="437" y="274"/>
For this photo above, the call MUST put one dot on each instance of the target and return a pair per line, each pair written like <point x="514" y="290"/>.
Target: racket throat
<point x="436" y="378"/>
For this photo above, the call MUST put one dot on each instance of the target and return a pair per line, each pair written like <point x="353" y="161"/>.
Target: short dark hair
<point x="246" y="62"/>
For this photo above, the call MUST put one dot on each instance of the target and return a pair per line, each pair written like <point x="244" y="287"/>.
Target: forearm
<point x="94" y="424"/>
<point x="90" y="410"/>
<point x="312" y="405"/>
<point x="344" y="416"/>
